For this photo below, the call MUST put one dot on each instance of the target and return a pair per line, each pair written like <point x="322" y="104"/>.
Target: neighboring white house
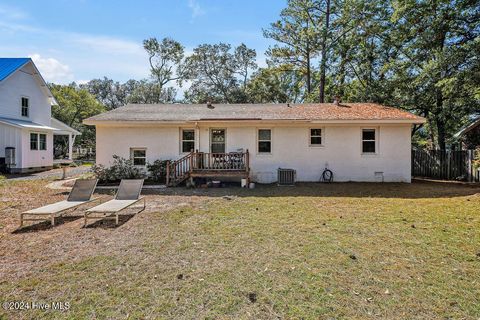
<point x="357" y="141"/>
<point x="26" y="125"/>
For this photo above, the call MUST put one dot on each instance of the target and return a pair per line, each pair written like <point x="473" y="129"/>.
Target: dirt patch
<point x="26" y="250"/>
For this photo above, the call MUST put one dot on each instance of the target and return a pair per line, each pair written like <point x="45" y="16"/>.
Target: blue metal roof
<point x="10" y="65"/>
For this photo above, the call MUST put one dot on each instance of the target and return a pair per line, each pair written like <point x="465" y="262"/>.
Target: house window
<point x="264" y="141"/>
<point x="315" y="137"/>
<point x="138" y="156"/>
<point x="24" y="107"/>
<point x="33" y="141"/>
<point x="42" y="141"/>
<point x="188" y="140"/>
<point x="369" y="141"/>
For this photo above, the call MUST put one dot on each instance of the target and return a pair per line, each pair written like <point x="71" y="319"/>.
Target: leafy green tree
<point x="165" y="58"/>
<point x="270" y="85"/>
<point x="298" y="34"/>
<point x="218" y="75"/>
<point x="112" y="94"/>
<point x="360" y="45"/>
<point x="145" y="91"/>
<point x="436" y="72"/>
<point x="244" y="58"/>
<point x="75" y="105"/>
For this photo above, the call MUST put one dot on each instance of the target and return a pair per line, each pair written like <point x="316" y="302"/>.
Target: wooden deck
<point x="204" y="165"/>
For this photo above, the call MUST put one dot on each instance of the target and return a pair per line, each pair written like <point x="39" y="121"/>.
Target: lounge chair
<point x="81" y="193"/>
<point x="127" y="195"/>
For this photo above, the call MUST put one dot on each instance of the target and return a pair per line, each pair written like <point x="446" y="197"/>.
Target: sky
<point x="80" y="40"/>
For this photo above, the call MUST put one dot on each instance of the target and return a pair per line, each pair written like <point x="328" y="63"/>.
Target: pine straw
<point x="312" y="251"/>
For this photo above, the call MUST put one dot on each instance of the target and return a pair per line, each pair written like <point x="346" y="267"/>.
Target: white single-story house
<point x="356" y="141"/>
<point x="26" y="124"/>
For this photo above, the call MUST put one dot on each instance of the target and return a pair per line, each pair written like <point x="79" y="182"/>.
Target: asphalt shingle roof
<point x="9" y="65"/>
<point x="222" y="112"/>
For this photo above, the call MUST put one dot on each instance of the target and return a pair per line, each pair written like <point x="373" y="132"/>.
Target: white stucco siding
<point x="161" y="143"/>
<point x="20" y="84"/>
<point x="341" y="150"/>
<point x="11" y="137"/>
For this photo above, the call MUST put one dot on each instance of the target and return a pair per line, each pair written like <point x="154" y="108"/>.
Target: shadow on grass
<point x="109" y="223"/>
<point x="415" y="190"/>
<point x="46" y="225"/>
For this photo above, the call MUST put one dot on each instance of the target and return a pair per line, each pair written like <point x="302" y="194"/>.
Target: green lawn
<point x="313" y="251"/>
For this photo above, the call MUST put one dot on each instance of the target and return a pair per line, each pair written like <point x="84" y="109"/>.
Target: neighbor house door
<point x="217" y="140"/>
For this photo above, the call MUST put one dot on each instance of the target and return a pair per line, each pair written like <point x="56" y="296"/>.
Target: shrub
<point x="121" y="168"/>
<point x="158" y="170"/>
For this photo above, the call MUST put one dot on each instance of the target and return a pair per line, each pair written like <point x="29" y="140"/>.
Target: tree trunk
<point x="309" y="76"/>
<point x="323" y="65"/>
<point x="307" y="58"/>
<point x="340" y="91"/>
<point x="441" y="135"/>
<point x="440" y="123"/>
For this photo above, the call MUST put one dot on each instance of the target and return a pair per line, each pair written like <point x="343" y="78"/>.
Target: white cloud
<point x="52" y="70"/>
<point x="107" y="44"/>
<point x="11" y="13"/>
<point x="196" y="9"/>
<point x="90" y="56"/>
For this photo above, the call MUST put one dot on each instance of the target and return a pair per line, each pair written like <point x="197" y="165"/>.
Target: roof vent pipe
<point x="210" y="105"/>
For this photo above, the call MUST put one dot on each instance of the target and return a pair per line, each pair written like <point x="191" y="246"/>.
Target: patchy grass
<point x="313" y="251"/>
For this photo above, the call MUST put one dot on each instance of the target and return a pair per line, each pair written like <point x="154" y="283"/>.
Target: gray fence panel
<point x="444" y="164"/>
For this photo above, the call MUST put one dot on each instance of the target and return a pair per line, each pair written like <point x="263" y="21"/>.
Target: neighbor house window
<point x="33" y="141"/>
<point x="24" y="107"/>
<point x="264" y="141"/>
<point x="38" y="141"/>
<point x="42" y="141"/>
<point x="188" y="140"/>
<point x="369" y="141"/>
<point x="139" y="156"/>
<point x="315" y="137"/>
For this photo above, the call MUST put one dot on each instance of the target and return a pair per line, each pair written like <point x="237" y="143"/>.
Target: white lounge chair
<point x="81" y="193"/>
<point x="127" y="195"/>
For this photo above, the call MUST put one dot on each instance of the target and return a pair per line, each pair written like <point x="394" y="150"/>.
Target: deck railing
<point x="179" y="170"/>
<point x="220" y="161"/>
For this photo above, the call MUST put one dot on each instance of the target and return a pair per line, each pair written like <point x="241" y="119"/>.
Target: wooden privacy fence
<point x="445" y="164"/>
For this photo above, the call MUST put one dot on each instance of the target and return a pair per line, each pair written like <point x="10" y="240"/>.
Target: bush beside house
<point x="122" y="168"/>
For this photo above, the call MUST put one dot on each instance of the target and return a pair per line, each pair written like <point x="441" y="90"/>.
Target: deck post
<point x="197" y="159"/>
<point x="191" y="161"/>
<point x="168" y="173"/>
<point x="70" y="146"/>
<point x="470" y="166"/>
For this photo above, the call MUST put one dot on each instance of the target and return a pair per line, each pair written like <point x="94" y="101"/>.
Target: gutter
<point x="254" y="120"/>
